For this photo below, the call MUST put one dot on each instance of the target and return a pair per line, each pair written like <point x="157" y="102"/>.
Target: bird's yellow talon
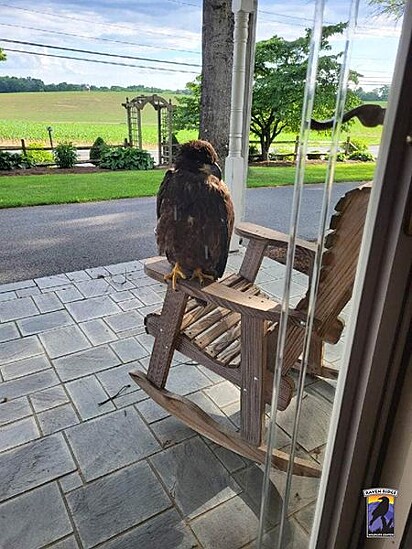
<point x="197" y="273"/>
<point x="174" y="275"/>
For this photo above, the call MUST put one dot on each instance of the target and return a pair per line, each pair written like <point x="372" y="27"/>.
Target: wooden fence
<point x="313" y="152"/>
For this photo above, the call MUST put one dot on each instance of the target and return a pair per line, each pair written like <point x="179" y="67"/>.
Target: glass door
<point x="306" y="428"/>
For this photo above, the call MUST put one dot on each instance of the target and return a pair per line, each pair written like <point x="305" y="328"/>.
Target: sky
<point x="163" y="39"/>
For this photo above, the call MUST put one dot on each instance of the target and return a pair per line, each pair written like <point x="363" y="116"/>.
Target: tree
<point x="2" y="55"/>
<point x="206" y="105"/>
<point x="16" y="84"/>
<point x="377" y="94"/>
<point x="279" y="82"/>
<point x="391" y="8"/>
<point x="216" y="82"/>
<point x="278" y="91"/>
<point x="187" y="112"/>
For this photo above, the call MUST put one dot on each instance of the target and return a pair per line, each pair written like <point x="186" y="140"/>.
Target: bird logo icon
<point x="380" y="512"/>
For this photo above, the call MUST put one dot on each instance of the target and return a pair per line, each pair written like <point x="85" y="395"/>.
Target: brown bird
<point x="194" y="215"/>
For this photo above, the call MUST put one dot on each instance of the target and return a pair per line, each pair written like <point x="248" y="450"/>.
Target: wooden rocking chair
<point x="234" y="332"/>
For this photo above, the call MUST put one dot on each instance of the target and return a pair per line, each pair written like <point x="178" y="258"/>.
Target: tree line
<point x="14" y="84"/>
<point x="377" y="94"/>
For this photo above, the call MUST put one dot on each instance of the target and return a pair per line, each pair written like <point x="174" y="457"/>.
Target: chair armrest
<point x="257" y="232"/>
<point x="278" y="245"/>
<point x="252" y="305"/>
<point x="221" y="295"/>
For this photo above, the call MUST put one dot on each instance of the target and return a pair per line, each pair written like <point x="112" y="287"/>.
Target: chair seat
<point x="211" y="335"/>
<point x="214" y="331"/>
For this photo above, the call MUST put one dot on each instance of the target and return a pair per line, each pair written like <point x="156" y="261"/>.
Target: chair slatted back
<point x="340" y="259"/>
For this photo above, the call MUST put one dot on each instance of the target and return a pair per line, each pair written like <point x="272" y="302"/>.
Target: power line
<point x="162" y="33"/>
<point x="184" y="3"/>
<point x="97" y="53"/>
<point x="127" y="43"/>
<point x="287" y="16"/>
<point x="98" y="61"/>
<point x="181" y="3"/>
<point x="370" y="58"/>
<point x="375" y="80"/>
<point x="377" y="74"/>
<point x="372" y="77"/>
<point x="308" y="20"/>
<point x="277" y="14"/>
<point x="381" y="81"/>
<point x="294" y="17"/>
<point x="87" y="20"/>
<point x="364" y="79"/>
<point x="364" y="27"/>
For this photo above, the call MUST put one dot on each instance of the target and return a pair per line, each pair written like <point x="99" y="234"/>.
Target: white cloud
<point x="157" y="29"/>
<point x="156" y="35"/>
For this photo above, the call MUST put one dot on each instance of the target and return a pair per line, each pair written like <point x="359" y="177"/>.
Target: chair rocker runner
<point x="231" y="328"/>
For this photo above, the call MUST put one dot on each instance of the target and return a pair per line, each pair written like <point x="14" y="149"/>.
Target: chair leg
<point x="315" y="356"/>
<point x="252" y="383"/>
<point x="164" y="346"/>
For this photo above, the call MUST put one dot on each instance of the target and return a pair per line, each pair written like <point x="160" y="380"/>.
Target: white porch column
<point x="242" y="80"/>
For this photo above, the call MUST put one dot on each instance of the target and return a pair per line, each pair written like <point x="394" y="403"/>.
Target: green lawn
<point x="315" y="173"/>
<point x="31" y="190"/>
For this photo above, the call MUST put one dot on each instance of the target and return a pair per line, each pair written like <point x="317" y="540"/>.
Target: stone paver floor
<point x="79" y="469"/>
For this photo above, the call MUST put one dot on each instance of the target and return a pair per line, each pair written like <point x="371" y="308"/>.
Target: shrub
<point x="65" y="155"/>
<point x="121" y="158"/>
<point x="253" y="152"/>
<point x="14" y="161"/>
<point x="97" y="149"/>
<point x="357" y="145"/>
<point x="363" y="156"/>
<point x="39" y="157"/>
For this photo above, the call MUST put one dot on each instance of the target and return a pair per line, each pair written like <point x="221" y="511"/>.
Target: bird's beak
<point x="216" y="171"/>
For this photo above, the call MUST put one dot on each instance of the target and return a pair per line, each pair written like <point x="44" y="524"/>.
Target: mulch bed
<point x="278" y="253"/>
<point x="55" y="171"/>
<point x="272" y="163"/>
<point x="282" y="163"/>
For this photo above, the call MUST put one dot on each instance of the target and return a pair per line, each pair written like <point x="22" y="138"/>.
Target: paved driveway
<point x="47" y="240"/>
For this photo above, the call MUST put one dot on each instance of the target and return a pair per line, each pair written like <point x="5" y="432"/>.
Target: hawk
<point x="195" y="215"/>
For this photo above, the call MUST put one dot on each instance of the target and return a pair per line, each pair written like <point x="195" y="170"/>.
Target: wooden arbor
<point x="231" y="327"/>
<point x="164" y="111"/>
